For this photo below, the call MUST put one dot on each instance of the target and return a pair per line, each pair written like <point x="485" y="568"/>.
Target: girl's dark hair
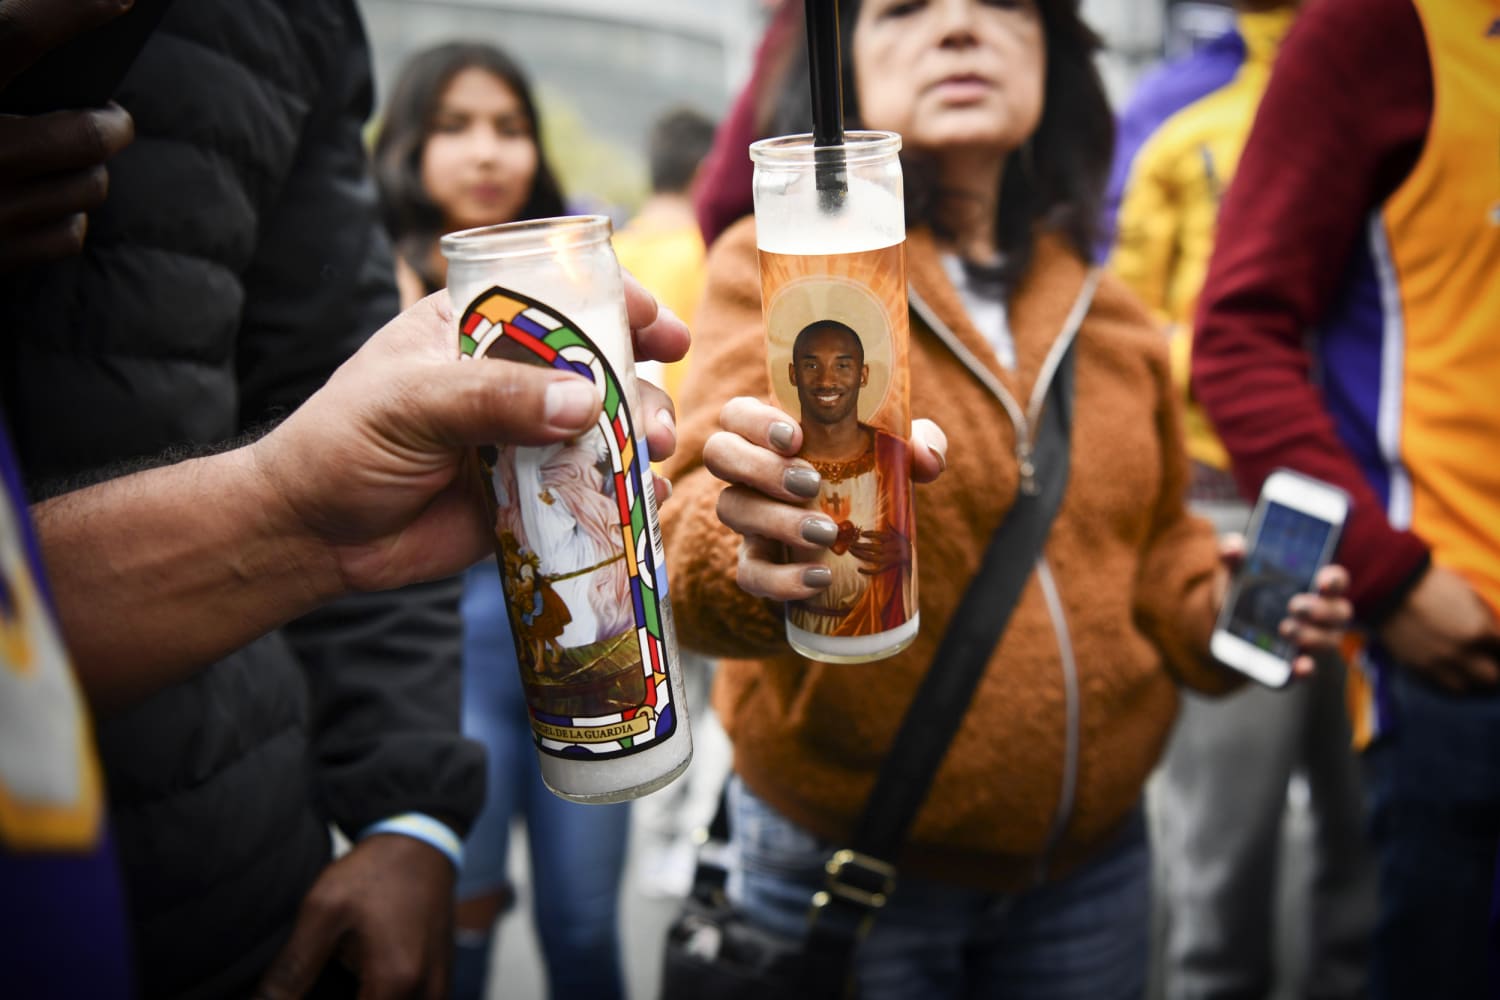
<point x="1055" y="182"/>
<point x="410" y="215"/>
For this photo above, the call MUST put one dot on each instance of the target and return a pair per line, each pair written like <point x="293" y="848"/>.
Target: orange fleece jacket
<point x="1134" y="571"/>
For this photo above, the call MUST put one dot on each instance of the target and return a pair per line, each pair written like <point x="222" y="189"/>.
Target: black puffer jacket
<point x="237" y="262"/>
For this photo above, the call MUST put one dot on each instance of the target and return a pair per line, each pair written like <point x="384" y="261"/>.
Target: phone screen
<point x="1284" y="557"/>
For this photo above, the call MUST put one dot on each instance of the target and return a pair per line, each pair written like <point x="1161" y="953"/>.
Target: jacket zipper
<point x="1025" y="422"/>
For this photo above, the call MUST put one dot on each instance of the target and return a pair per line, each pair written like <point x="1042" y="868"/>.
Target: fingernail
<point x="665" y="418"/>
<point x="781" y="435"/>
<point x="942" y="458"/>
<point x="663" y="490"/>
<point x="820" y="531"/>
<point x="802" y="481"/>
<point x="817" y="576"/>
<point x="570" y="403"/>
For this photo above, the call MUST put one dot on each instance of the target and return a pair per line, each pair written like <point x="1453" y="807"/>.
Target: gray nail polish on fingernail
<point x="781" y="435"/>
<point x="819" y="531"/>
<point x="817" y="576"/>
<point x="802" y="481"/>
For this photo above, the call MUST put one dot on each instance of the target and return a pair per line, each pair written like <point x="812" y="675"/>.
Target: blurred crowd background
<point x="605" y="71"/>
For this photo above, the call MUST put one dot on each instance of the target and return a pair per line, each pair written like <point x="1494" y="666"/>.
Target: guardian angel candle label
<point x="579" y="547"/>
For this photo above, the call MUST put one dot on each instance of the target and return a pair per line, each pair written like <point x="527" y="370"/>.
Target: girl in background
<point x="459" y="149"/>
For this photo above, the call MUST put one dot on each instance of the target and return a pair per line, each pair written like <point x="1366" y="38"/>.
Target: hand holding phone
<point x="1293" y="533"/>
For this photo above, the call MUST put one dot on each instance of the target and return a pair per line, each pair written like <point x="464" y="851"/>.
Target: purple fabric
<point x="1495" y="892"/>
<point x="63" y="925"/>
<point x="12" y="492"/>
<point x="62" y="915"/>
<point x="1350" y="361"/>
<point x="1348" y="348"/>
<point x="1160" y="95"/>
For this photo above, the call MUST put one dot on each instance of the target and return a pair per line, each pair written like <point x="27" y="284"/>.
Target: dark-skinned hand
<point x="385" y="910"/>
<point x="52" y="166"/>
<point x="1446" y="634"/>
<point x="401" y="417"/>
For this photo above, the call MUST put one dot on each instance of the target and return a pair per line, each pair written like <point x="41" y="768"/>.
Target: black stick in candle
<point x="827" y="102"/>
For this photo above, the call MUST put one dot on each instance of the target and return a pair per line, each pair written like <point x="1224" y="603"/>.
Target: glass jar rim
<point x="527" y="238"/>
<point x="866" y="146"/>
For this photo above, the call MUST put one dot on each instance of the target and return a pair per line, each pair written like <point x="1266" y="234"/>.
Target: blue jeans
<point x="1434" y="784"/>
<point x="1083" y="937"/>
<point x="577" y="851"/>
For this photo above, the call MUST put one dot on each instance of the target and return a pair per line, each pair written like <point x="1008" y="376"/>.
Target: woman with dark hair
<point x="1026" y="872"/>
<point x="459" y="149"/>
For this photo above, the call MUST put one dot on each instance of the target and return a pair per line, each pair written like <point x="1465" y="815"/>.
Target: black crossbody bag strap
<point x="861" y="877"/>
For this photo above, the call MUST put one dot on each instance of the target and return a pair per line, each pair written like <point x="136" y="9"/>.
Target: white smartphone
<point x="1293" y="533"/>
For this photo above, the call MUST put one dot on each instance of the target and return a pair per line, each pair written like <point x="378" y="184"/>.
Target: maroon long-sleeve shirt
<point x="1341" y="125"/>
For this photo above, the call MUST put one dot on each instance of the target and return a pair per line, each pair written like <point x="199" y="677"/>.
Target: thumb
<point x="1232" y="550"/>
<point x="490" y="401"/>
<point x="930" y="452"/>
<point x="300" y="962"/>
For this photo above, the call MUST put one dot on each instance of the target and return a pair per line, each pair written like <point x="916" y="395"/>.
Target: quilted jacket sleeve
<point x="384" y="670"/>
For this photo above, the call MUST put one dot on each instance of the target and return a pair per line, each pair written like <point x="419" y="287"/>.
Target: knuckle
<point x="326" y="905"/>
<point x="403" y="974"/>
<point x="320" y="906"/>
<point x="753" y="582"/>
<point x="735" y="407"/>
<point x="93" y="187"/>
<point x="723" y="508"/>
<point x="88" y="135"/>
<point x="663" y="400"/>
<point x="716" y="454"/>
<point x="74" y="231"/>
<point x="744" y="574"/>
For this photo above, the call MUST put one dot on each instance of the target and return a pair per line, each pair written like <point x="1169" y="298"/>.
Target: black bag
<point x="712" y="951"/>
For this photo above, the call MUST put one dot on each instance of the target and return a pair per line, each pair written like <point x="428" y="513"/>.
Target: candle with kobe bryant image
<point x="830" y="226"/>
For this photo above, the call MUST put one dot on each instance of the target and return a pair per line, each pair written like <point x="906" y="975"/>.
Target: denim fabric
<point x="1083" y="937"/>
<point x="577" y="851"/>
<point x="1434" y="784"/>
